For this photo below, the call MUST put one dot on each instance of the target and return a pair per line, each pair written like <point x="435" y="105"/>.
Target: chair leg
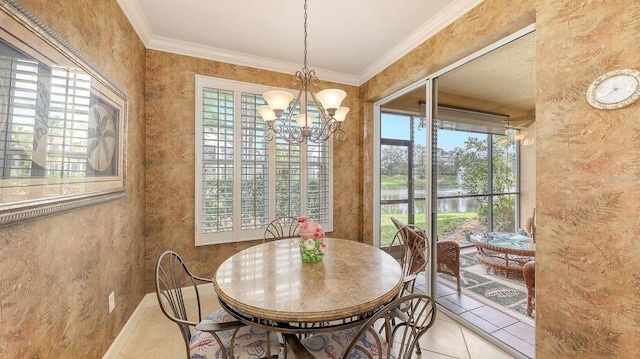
<point x="458" y="280"/>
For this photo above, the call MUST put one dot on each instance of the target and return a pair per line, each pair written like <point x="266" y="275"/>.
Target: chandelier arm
<point x="324" y="132"/>
<point x="292" y="109"/>
<point x="339" y="134"/>
<point x="290" y="134"/>
<point x="269" y="134"/>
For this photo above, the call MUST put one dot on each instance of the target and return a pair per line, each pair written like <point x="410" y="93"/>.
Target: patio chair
<point x="413" y="315"/>
<point x="218" y="335"/>
<point x="529" y="274"/>
<point x="448" y="253"/>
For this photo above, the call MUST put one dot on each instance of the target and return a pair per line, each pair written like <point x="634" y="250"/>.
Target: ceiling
<point x="348" y="41"/>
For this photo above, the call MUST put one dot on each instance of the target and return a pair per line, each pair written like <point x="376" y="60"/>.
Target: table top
<point x="269" y="281"/>
<point x="506" y="241"/>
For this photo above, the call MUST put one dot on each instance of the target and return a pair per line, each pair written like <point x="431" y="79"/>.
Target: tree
<point x="393" y="160"/>
<point x="473" y="164"/>
<point x="420" y="161"/>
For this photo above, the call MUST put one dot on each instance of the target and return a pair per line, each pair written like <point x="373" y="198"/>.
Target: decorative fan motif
<point x="102" y="138"/>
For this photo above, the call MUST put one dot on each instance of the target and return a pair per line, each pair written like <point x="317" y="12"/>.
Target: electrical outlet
<point x="112" y="302"/>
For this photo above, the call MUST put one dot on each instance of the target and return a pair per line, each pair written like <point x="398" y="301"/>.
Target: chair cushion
<point x="248" y="342"/>
<point x="333" y="345"/>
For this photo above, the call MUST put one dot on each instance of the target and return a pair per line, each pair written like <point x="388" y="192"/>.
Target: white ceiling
<point x="349" y="41"/>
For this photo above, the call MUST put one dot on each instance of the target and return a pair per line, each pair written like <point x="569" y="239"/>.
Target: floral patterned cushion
<point x="333" y="345"/>
<point x="248" y="342"/>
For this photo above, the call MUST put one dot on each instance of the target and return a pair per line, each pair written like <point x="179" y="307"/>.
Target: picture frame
<point x="62" y="123"/>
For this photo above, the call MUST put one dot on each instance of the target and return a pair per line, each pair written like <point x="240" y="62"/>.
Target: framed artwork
<point x="62" y="124"/>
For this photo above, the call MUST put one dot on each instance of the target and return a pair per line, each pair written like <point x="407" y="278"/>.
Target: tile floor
<point x="157" y="337"/>
<point x="510" y="330"/>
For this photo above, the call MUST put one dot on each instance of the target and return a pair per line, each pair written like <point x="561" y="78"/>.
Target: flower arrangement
<point x="312" y="245"/>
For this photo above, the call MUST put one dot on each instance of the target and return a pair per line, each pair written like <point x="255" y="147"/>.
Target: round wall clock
<point x="615" y="89"/>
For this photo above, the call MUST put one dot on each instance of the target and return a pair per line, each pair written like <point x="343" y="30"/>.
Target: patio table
<point x="508" y="252"/>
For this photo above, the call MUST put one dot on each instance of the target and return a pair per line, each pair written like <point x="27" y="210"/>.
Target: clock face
<point x="615" y="89"/>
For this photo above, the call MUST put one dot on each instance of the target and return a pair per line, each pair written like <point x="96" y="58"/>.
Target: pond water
<point x="445" y="205"/>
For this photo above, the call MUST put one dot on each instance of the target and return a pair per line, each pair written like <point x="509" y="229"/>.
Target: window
<point x="244" y="181"/>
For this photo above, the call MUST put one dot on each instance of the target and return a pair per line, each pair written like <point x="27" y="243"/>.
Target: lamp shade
<point x="341" y="113"/>
<point x="267" y="113"/>
<point x="331" y="98"/>
<point x="300" y="119"/>
<point x="278" y="100"/>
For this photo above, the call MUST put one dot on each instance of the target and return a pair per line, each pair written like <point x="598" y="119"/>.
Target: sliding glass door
<point x="464" y="164"/>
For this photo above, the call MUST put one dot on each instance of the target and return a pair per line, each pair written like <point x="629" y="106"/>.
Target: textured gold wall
<point x="56" y="272"/>
<point x="588" y="167"/>
<point x="588" y="177"/>
<point x="170" y="165"/>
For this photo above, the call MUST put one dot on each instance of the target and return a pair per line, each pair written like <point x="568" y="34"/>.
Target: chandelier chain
<point x="305" y="36"/>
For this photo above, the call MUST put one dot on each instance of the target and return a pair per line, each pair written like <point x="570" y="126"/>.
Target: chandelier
<point x="326" y="102"/>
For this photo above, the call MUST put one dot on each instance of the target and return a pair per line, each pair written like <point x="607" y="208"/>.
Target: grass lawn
<point x="396" y="181"/>
<point x="446" y="222"/>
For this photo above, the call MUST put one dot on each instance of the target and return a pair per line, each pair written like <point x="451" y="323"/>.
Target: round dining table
<point x="269" y="286"/>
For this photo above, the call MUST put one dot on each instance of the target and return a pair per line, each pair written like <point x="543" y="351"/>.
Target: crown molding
<point x="445" y="17"/>
<point x="438" y="22"/>
<point x="138" y="21"/>
<point x="242" y="59"/>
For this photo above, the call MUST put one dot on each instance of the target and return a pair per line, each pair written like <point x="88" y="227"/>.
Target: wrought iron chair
<point x="448" y="252"/>
<point x="410" y="246"/>
<point x="413" y="315"/>
<point x="282" y="228"/>
<point x="218" y="335"/>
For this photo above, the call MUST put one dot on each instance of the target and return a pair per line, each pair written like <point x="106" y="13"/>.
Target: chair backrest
<point x="281" y="228"/>
<point x="529" y="274"/>
<point x="416" y="246"/>
<point x="412" y="316"/>
<point x="448" y="257"/>
<point x="171" y="276"/>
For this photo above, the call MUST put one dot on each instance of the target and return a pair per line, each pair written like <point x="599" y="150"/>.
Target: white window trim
<point x="243" y="235"/>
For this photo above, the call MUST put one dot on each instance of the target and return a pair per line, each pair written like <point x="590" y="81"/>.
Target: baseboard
<point x="149" y="300"/>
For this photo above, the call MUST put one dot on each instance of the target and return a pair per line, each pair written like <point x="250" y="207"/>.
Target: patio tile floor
<point x="511" y="331"/>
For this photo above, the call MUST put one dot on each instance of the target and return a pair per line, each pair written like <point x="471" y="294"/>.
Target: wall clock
<point x="615" y="89"/>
